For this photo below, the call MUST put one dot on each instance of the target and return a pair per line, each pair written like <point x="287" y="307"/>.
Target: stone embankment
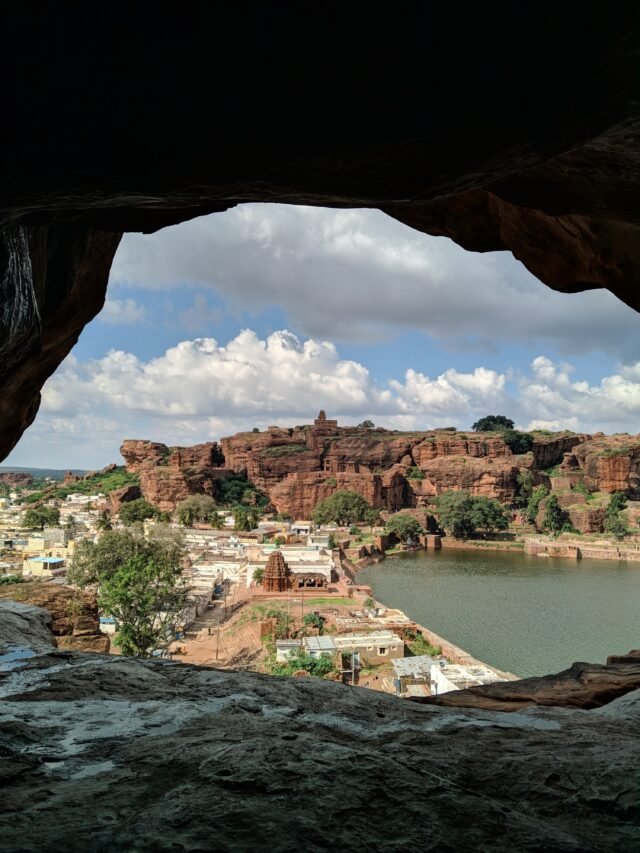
<point x="576" y="550"/>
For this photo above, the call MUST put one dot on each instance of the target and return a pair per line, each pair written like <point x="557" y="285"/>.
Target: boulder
<point x="73" y="621"/>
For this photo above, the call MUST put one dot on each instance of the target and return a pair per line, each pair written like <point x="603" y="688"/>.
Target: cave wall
<point x="501" y="127"/>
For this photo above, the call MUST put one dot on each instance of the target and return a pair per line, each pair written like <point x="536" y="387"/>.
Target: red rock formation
<point x="611" y="464"/>
<point x="70" y="478"/>
<point x="75" y="625"/>
<point x="118" y="497"/>
<point x="16" y="478"/>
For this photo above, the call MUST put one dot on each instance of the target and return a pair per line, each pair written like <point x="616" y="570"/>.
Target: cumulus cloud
<point x="200" y="390"/>
<point x="359" y="275"/>
<point x="121" y="312"/>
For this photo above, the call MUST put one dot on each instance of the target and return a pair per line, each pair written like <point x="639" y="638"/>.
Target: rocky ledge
<point x="106" y="753"/>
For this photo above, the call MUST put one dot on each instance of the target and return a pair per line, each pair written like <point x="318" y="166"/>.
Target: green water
<point x="527" y="615"/>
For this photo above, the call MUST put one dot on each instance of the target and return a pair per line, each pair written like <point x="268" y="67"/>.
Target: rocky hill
<point x="296" y="467"/>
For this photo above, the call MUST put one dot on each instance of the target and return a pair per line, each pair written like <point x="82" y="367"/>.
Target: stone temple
<point x="276" y="574"/>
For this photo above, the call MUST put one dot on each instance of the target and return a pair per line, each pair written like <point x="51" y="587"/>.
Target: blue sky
<point x="267" y="313"/>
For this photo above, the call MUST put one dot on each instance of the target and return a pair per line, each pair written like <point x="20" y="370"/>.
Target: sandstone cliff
<point x="299" y="466"/>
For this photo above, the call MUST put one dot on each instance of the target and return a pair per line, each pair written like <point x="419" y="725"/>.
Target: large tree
<point x="614" y="521"/>
<point x="138" y="510"/>
<point x="196" y="508"/>
<point x="493" y="423"/>
<point x="463" y="515"/>
<point x="40" y="517"/>
<point x="343" y="508"/>
<point x="95" y="562"/>
<point x="404" y="526"/>
<point x="147" y="598"/>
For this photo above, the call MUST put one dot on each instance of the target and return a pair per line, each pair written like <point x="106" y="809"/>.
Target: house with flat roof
<point x="374" y="648"/>
<point x="446" y="677"/>
<point x="315" y="647"/>
<point x="43" y="567"/>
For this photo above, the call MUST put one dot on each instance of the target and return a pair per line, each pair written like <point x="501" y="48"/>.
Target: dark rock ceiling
<point x="509" y="126"/>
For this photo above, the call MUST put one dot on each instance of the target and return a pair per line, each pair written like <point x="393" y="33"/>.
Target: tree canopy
<point x="95" y="562"/>
<point x="404" y="526"/>
<point x="614" y="521"/>
<point x="198" y="508"/>
<point x="40" y="517"/>
<point x="366" y="425"/>
<point x="245" y="518"/>
<point x="554" y="516"/>
<point x="138" y="510"/>
<point x="464" y="515"/>
<point x="147" y="597"/>
<point x="493" y="423"/>
<point x="344" y="508"/>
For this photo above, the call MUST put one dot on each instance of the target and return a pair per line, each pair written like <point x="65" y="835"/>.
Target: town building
<point x="452" y="676"/>
<point x="374" y="649"/>
<point x="412" y="675"/>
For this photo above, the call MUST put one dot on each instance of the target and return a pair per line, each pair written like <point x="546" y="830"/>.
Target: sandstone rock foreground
<point x="104" y="753"/>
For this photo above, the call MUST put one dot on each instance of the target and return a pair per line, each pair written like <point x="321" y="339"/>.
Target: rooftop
<point x="320" y="644"/>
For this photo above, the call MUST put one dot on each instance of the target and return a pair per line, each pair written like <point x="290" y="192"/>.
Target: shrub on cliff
<point x="343" y="508"/>
<point x="554" y="516"/>
<point x="614" y="522"/>
<point x="493" y="423"/>
<point x="463" y="515"/>
<point x="538" y="494"/>
<point x="517" y="442"/>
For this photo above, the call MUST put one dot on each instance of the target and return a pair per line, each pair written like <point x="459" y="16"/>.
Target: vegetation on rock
<point x="492" y="423"/>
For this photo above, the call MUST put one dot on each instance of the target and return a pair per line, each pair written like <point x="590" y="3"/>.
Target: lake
<point x="527" y="615"/>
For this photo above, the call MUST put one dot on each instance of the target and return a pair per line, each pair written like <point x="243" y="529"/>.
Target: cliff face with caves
<point x="300" y="466"/>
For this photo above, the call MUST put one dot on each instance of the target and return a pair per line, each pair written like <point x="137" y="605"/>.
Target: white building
<point x="454" y="676"/>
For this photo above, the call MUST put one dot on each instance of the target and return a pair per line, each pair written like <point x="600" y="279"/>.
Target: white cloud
<point x="121" y="312"/>
<point x="200" y="390"/>
<point x="359" y="275"/>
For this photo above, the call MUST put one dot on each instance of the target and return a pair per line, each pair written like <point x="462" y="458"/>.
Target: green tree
<point x="533" y="504"/>
<point x="257" y="574"/>
<point x="148" y="600"/>
<point x="463" y="515"/>
<point x="104" y="521"/>
<point x="5" y="491"/>
<point x="404" y="526"/>
<point x="554" y="517"/>
<point x="493" y="423"/>
<point x="95" y="562"/>
<point x="245" y="518"/>
<point x="196" y="508"/>
<point x="342" y="508"/>
<point x="415" y="473"/>
<point x="138" y="510"/>
<point x="40" y="517"/>
<point x="614" y="522"/>
<point x="313" y="620"/>
<point x="518" y="442"/>
<point x="366" y="425"/>
<point x="525" y="488"/>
